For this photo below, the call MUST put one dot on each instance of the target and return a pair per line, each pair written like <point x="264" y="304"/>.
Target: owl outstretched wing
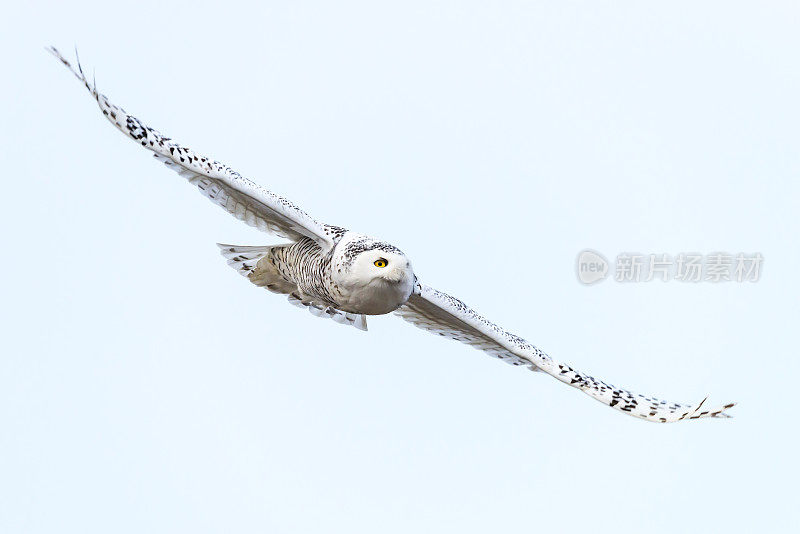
<point x="225" y="187"/>
<point x="447" y="316"/>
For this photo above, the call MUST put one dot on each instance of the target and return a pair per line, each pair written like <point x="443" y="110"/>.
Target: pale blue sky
<point x="145" y="387"/>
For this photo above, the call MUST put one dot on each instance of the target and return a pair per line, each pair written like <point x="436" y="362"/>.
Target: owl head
<point x="374" y="273"/>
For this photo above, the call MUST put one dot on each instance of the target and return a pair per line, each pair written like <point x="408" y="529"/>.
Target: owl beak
<point x="398" y="274"/>
<point x="395" y="275"/>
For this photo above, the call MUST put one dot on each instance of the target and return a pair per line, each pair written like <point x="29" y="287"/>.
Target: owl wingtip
<point x="721" y="412"/>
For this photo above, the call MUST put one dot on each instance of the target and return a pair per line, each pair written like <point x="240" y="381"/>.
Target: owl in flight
<point x="345" y="276"/>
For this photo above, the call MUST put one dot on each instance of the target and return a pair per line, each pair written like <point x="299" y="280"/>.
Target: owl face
<point x="381" y="266"/>
<point x="374" y="277"/>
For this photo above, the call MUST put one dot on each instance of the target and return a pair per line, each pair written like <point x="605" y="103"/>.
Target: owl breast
<point x="378" y="297"/>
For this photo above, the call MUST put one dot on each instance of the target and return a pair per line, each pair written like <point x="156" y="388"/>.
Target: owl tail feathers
<point x="242" y="258"/>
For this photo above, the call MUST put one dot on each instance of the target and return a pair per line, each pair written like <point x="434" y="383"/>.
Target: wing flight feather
<point x="447" y="316"/>
<point x="225" y="187"/>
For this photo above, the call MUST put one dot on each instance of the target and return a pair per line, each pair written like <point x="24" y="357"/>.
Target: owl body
<point x="306" y="266"/>
<point x="359" y="274"/>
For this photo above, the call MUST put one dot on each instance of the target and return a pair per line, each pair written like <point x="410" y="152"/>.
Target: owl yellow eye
<point x="381" y="263"/>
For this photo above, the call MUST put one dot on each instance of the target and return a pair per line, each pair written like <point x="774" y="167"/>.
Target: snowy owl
<point x="345" y="276"/>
